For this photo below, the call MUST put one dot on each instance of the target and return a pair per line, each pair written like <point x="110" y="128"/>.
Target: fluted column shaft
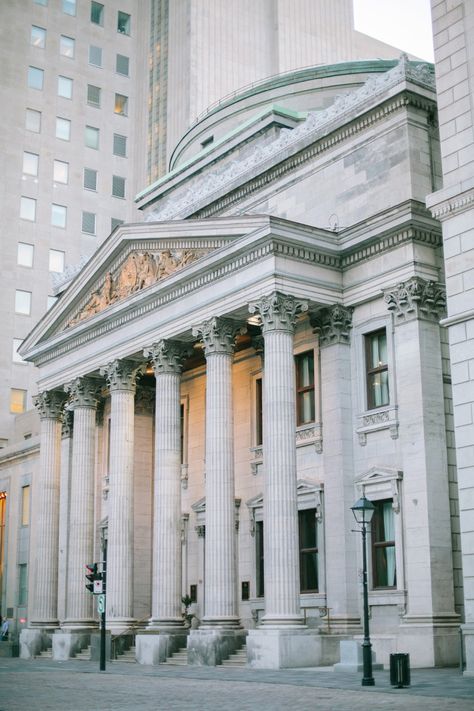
<point x="44" y="593"/>
<point x="282" y="583"/>
<point x="121" y="377"/>
<point x="83" y="401"/>
<point x="167" y="358"/>
<point x="220" y="573"/>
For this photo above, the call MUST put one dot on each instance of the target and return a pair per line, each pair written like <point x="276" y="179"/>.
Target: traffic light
<point x="91" y="575"/>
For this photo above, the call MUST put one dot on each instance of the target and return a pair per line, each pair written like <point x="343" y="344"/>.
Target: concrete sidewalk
<point x="45" y="685"/>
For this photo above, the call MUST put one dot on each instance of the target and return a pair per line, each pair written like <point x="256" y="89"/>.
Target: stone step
<point x="179" y="658"/>
<point x="46" y="653"/>
<point x="127" y="656"/>
<point x="84" y="654"/>
<point x="238" y="659"/>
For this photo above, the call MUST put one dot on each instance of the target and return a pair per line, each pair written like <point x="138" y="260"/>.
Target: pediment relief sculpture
<point x="140" y="270"/>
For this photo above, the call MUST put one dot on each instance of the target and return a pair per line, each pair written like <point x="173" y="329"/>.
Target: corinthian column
<point x="45" y="529"/>
<point x="83" y="401"/>
<point x="167" y="358"/>
<point x="282" y="584"/>
<point x="121" y="377"/>
<point x="220" y="575"/>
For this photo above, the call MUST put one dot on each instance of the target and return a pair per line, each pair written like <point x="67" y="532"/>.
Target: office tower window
<point x="56" y="261"/>
<point x="25" y="505"/>
<point x="58" y="215"/>
<point x="24" y="255"/>
<point x="69" y="7"/>
<point x="115" y="222"/>
<point x="93" y="96"/>
<point x="121" y="105"/>
<point x="118" y="186"/>
<point x="41" y="2"/>
<point x="60" y="171"/>
<point x="97" y="13"/>
<point x="67" y="46"/>
<point x="95" y="56"/>
<point x="90" y="179"/>
<point x="16" y="357"/>
<point x="120" y="145"/>
<point x="35" y="78"/>
<point x="122" y="65"/>
<point x="51" y="301"/>
<point x="65" y="87"/>
<point x="28" y="208"/>
<point x="92" y="137"/>
<point x="30" y="163"/>
<point x="33" y="120"/>
<point x="38" y="37"/>
<point x="376" y="369"/>
<point x="123" y="23"/>
<point x="22" y="302"/>
<point x="63" y="129"/>
<point x="88" y="223"/>
<point x="17" y="401"/>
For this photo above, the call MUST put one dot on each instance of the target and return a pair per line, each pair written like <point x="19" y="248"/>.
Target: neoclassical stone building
<point x="222" y="381"/>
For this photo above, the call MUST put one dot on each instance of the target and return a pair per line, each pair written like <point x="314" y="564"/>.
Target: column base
<point x="34" y="641"/>
<point x="468" y="648"/>
<point x="209" y="647"/>
<point x="352" y="658"/>
<point x="283" y="648"/>
<point x="153" y="647"/>
<point x="67" y="644"/>
<point x="119" y="625"/>
<point x="430" y="641"/>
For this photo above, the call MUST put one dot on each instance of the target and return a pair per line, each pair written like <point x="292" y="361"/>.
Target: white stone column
<point x="64" y="498"/>
<point x="282" y="582"/>
<point x="167" y="358"/>
<point x="333" y="324"/>
<point x="45" y="529"/>
<point x="220" y="574"/>
<point x="121" y="377"/>
<point x="430" y="626"/>
<point x="83" y="401"/>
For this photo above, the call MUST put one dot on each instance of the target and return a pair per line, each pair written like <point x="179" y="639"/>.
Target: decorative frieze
<point x="278" y="312"/>
<point x="83" y="392"/>
<point x="310" y="435"/>
<point x="416" y="298"/>
<point x="386" y="419"/>
<point x="50" y="404"/>
<point x="122" y="374"/>
<point x="167" y="356"/>
<point x="333" y="324"/>
<point x="217" y="335"/>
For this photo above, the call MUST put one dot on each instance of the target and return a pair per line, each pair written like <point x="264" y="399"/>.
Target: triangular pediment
<point x="378" y="475"/>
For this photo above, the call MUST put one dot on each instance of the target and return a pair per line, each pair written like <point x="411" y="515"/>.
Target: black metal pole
<point x="367" y="679"/>
<point x="102" y="615"/>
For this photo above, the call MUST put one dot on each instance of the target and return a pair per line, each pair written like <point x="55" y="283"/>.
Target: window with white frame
<point x="35" y="78"/>
<point x="38" y="37"/>
<point x="63" y="128"/>
<point x="58" y="215"/>
<point x="65" y="87"/>
<point x="22" y="302"/>
<point x="69" y="7"/>
<point x="95" y="55"/>
<point x="90" y="179"/>
<point x="27" y="208"/>
<point x="121" y="105"/>
<point x="118" y="186"/>
<point x="93" y="95"/>
<point x="67" y="46"/>
<point x="122" y="65"/>
<point x="120" y="145"/>
<point x="25" y="253"/>
<point x="92" y="137"/>
<point x="33" y="120"/>
<point x="88" y="222"/>
<point x="56" y="261"/>
<point x="30" y="163"/>
<point x="60" y="171"/>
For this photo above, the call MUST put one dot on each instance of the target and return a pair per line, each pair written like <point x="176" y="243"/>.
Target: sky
<point x="404" y="23"/>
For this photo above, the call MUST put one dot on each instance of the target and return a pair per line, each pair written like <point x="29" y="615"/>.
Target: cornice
<point x="452" y="206"/>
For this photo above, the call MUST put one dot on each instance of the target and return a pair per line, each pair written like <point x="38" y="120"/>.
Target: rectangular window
<point x="65" y="87"/>
<point x="30" y="163"/>
<point x="308" y="541"/>
<point x="69" y="7"/>
<point x="63" y="129"/>
<point x="41" y="2"/>
<point x="23" y="302"/>
<point x="92" y="137"/>
<point x="17" y="401"/>
<point x="25" y="505"/>
<point x="56" y="261"/>
<point x="383" y="545"/>
<point x="121" y="105"/>
<point x="123" y="23"/>
<point x="118" y="186"/>
<point x="260" y="572"/>
<point x="16" y="357"/>
<point x="115" y="222"/>
<point x="305" y="387"/>
<point x="38" y="37"/>
<point x="24" y="256"/>
<point x="120" y="145"/>
<point x="90" y="179"/>
<point x="35" y="78"/>
<point x="88" y="223"/>
<point x="58" y="215"/>
<point x="95" y="56"/>
<point x="66" y="46"/>
<point x="33" y="120"/>
<point x="60" y="171"/>
<point x="97" y="13"/>
<point x="376" y="369"/>
<point x="122" y="65"/>
<point x="28" y="209"/>
<point x="22" y="584"/>
<point x="258" y="412"/>
<point x="93" y="95"/>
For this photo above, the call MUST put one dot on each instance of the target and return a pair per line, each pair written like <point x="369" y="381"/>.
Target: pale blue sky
<point x="402" y="23"/>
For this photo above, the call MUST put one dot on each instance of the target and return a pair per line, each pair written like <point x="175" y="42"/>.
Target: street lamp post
<point x="363" y="511"/>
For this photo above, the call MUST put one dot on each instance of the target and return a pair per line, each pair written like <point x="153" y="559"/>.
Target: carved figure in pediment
<point x="127" y="278"/>
<point x="147" y="270"/>
<point x="166" y="264"/>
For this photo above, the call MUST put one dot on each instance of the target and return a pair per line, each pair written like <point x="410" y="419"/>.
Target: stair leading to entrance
<point x="238" y="659"/>
<point x="128" y="655"/>
<point x="178" y="659"/>
<point x="84" y="654"/>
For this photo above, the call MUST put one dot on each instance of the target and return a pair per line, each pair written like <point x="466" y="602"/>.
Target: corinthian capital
<point x="50" y="404"/>
<point x="122" y="374"/>
<point x="416" y="298"/>
<point x="83" y="392"/>
<point x="333" y="324"/>
<point x="167" y="356"/>
<point x="217" y="335"/>
<point x="278" y="311"/>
